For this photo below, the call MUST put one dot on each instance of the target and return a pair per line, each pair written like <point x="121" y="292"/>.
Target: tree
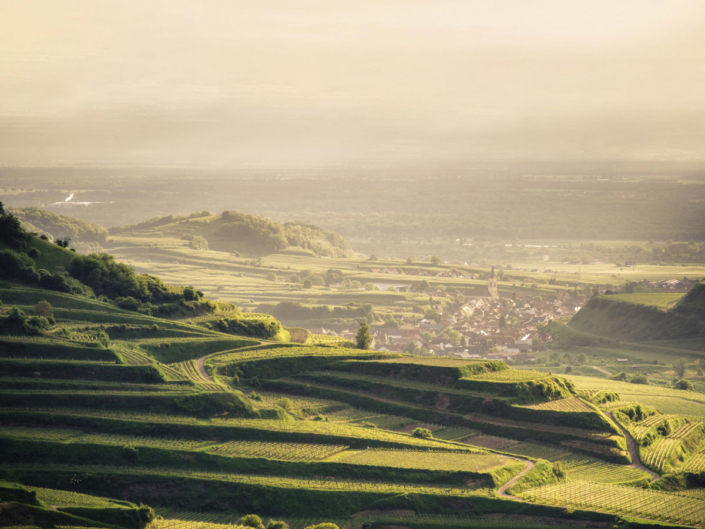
<point x="271" y="276"/>
<point x="308" y="283"/>
<point x="409" y="260"/>
<point x="364" y="339"/>
<point x="44" y="308"/>
<point x="503" y="321"/>
<point x="680" y="368"/>
<point x="435" y="260"/>
<point x="190" y="294"/>
<point x="582" y="358"/>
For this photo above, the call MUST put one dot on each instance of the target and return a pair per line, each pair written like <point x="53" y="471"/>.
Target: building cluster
<point x="480" y="328"/>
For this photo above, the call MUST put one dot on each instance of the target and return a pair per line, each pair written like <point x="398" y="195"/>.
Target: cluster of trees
<point x="37" y="220"/>
<point x="292" y="310"/>
<point x="259" y="235"/>
<point x="116" y="280"/>
<point x="18" y="322"/>
<point x="260" y="328"/>
<point x="11" y="232"/>
<point x="20" y="266"/>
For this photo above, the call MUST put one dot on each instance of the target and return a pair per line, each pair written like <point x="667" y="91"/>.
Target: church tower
<point x="492" y="285"/>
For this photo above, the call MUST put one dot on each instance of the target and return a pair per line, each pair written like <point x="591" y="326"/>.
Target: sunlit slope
<point x="636" y="322"/>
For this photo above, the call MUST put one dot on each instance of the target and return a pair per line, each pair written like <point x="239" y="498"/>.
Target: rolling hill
<point x="109" y="405"/>
<point x="237" y="232"/>
<point x="621" y="319"/>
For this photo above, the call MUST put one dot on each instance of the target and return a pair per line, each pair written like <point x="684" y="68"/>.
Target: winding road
<point x="633" y="453"/>
<point x="502" y="491"/>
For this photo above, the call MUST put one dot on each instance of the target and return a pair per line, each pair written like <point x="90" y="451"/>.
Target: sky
<point x="293" y="82"/>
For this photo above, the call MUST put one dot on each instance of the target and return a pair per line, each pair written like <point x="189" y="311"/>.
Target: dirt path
<point x="502" y="491"/>
<point x="633" y="453"/>
<point x="202" y="369"/>
<point x="604" y="371"/>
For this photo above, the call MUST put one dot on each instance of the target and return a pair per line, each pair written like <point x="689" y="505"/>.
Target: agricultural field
<point x="423" y="460"/>
<point x="623" y="500"/>
<point x="662" y="301"/>
<point x="283" y="451"/>
<point x="666" y="400"/>
<point x="574" y="404"/>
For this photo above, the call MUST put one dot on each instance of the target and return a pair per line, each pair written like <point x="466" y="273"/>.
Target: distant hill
<point x="84" y="235"/>
<point x="693" y="303"/>
<point x="634" y="322"/>
<point x="247" y="234"/>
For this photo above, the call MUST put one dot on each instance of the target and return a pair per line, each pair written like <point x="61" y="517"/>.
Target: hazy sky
<point x="350" y="81"/>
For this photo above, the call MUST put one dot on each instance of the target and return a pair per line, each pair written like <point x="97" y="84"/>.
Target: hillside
<point x="693" y="303"/>
<point x="244" y="234"/>
<point x="634" y="322"/>
<point x="85" y="236"/>
<point x="119" y="391"/>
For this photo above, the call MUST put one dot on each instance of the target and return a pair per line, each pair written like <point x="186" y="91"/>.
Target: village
<point x="479" y="327"/>
<point x="490" y="326"/>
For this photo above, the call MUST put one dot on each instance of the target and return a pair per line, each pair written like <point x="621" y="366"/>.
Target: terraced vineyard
<point x="283" y="451"/>
<point x="423" y="460"/>
<point x="510" y="375"/>
<point x="574" y="404"/>
<point x="538" y="451"/>
<point x="696" y="463"/>
<point x="580" y="468"/>
<point x="621" y="500"/>
<point x="191" y="372"/>
<point x="315" y="433"/>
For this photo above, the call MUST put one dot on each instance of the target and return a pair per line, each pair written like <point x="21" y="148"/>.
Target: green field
<point x="662" y="301"/>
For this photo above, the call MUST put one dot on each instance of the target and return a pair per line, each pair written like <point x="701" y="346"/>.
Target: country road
<point x="502" y="491"/>
<point x="633" y="453"/>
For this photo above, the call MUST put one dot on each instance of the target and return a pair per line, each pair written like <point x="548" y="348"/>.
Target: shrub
<point x="285" y="404"/>
<point x="198" y="243"/>
<point x="155" y="327"/>
<point x="684" y="385"/>
<point x="558" y="470"/>
<point x="128" y="303"/>
<point x="323" y="526"/>
<point x="34" y="253"/>
<point x="277" y="524"/>
<point x="252" y="520"/>
<point x="640" y="379"/>
<point x="271" y="276"/>
<point x="422" y="433"/>
<point x="130" y="452"/>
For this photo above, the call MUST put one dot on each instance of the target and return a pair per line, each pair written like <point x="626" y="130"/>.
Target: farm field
<point x="662" y="301"/>
<point x="666" y="400"/>
<point x="622" y="500"/>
